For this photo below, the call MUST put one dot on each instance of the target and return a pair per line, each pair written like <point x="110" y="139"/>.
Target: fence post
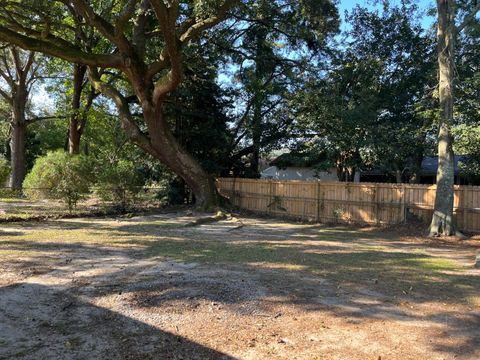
<point x="464" y="208"/>
<point x="270" y="196"/>
<point x="403" y="216"/>
<point x="377" y="217"/>
<point x="318" y="201"/>
<point x="234" y="192"/>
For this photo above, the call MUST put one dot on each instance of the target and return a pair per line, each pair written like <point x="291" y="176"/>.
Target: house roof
<point x="430" y="164"/>
<point x="298" y="159"/>
<point x="310" y="159"/>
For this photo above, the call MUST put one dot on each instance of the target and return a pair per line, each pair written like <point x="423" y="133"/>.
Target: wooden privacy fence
<point x="372" y="203"/>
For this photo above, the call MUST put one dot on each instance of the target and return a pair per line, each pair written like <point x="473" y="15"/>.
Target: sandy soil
<point x="151" y="288"/>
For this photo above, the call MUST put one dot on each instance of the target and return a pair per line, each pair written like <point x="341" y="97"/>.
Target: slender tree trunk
<point x="259" y="98"/>
<point x="75" y="125"/>
<point x="416" y="166"/>
<point x="17" y="150"/>
<point x="256" y="138"/>
<point x="442" y="221"/>
<point x="73" y="136"/>
<point x="356" y="176"/>
<point x="398" y="176"/>
<point x="19" y="86"/>
<point x="17" y="142"/>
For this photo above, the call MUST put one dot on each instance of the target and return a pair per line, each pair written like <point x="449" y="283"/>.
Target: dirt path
<point x="150" y="288"/>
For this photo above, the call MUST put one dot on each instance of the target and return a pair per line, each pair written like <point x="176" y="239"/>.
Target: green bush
<point x="59" y="175"/>
<point x="4" y="171"/>
<point x="119" y="182"/>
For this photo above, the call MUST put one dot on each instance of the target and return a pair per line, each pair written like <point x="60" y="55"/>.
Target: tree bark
<point x="256" y="138"/>
<point x="75" y="128"/>
<point x="17" y="140"/>
<point x="17" y="150"/>
<point x="160" y="141"/>
<point x="169" y="151"/>
<point x="18" y="77"/>
<point x="442" y="220"/>
<point x="73" y="135"/>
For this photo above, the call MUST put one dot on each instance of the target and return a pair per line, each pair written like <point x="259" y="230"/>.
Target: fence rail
<point x="371" y="203"/>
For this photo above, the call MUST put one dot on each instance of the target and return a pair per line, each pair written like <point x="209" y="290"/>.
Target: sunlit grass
<point x="332" y="254"/>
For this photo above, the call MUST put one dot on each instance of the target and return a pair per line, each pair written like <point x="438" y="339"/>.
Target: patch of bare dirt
<point x="264" y="290"/>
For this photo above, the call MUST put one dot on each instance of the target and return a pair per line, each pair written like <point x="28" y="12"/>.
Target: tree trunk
<point x="398" y="176"/>
<point x="17" y="147"/>
<point x="168" y="150"/>
<point x="256" y="137"/>
<point x="416" y="166"/>
<point x="73" y="136"/>
<point x="356" y="176"/>
<point x="259" y="85"/>
<point x="75" y="126"/>
<point x="160" y="141"/>
<point x="442" y="220"/>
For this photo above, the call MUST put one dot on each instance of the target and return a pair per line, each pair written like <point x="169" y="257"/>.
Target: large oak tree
<point x="142" y="40"/>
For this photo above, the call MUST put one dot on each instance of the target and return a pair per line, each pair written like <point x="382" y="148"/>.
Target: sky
<point x="350" y="4"/>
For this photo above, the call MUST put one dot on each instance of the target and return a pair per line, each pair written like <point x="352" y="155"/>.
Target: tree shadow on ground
<point x="41" y="322"/>
<point x="353" y="275"/>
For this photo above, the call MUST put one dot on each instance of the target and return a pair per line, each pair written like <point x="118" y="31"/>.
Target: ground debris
<point x="219" y="216"/>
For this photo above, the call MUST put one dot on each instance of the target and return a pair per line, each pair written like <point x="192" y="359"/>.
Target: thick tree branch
<point x="69" y="53"/>
<point x="167" y="17"/>
<point x="125" y="16"/>
<point x="128" y="124"/>
<point x="29" y="62"/>
<point x="16" y="61"/>
<point x="41" y="118"/>
<point x="114" y="35"/>
<point x="140" y="22"/>
<point x="103" y="26"/>
<point x="6" y="96"/>
<point x="197" y="28"/>
<point x="6" y="76"/>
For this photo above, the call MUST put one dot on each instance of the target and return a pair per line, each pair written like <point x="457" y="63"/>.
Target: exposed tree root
<point x="237" y="227"/>
<point x="220" y="215"/>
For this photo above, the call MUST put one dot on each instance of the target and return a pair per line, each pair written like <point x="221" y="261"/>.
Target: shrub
<point x="4" y="175"/>
<point x="59" y="175"/>
<point x="4" y="171"/>
<point x="119" y="182"/>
